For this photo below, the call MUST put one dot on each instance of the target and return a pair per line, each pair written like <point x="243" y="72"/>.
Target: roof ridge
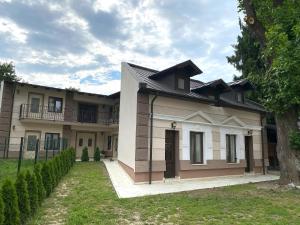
<point x="142" y="67"/>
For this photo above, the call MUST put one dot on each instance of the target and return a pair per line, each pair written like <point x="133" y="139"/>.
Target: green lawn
<point x="85" y="196"/>
<point x="8" y="167"/>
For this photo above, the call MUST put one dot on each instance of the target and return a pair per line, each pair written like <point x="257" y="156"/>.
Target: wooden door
<point x="170" y="142"/>
<point x="248" y="153"/>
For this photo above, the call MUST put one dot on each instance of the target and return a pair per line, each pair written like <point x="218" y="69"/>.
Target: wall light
<point x="173" y="125"/>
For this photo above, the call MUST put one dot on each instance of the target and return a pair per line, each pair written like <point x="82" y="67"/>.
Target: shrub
<point x="10" y="202"/>
<point x="97" y="155"/>
<point x="32" y="187"/>
<point x="1" y="210"/>
<point x="40" y="185"/>
<point x="85" y="155"/>
<point x="23" y="197"/>
<point x="294" y="138"/>
<point x="47" y="179"/>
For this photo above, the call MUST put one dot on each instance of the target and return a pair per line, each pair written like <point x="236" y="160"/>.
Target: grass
<point x="8" y="168"/>
<point x="86" y="196"/>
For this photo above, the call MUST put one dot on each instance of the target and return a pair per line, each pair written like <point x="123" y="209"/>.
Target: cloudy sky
<point x="81" y="43"/>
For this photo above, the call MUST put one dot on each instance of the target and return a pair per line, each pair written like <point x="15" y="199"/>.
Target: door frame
<point x="176" y="152"/>
<point x="86" y="132"/>
<point x="249" y="157"/>
<point x="39" y="138"/>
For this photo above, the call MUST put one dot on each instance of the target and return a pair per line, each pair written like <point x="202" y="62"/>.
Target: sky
<point x="81" y="43"/>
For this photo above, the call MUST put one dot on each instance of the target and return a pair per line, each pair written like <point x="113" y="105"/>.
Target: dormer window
<point x="180" y="83"/>
<point x="240" y="97"/>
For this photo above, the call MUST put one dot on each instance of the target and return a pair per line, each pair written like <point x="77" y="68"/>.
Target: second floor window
<point x="180" y="83"/>
<point x="35" y="105"/>
<point x="55" y="104"/>
<point x="196" y="147"/>
<point x="231" y="148"/>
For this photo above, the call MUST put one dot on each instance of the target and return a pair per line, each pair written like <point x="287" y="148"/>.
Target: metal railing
<point x="28" y="111"/>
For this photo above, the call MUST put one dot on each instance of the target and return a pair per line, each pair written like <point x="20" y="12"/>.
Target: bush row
<point x="85" y="155"/>
<point x="20" y="200"/>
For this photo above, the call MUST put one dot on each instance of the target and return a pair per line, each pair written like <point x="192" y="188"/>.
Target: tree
<point x="32" y="187"/>
<point x="7" y="72"/>
<point x="23" y="197"/>
<point x="85" y="155"/>
<point x="97" y="154"/>
<point x="47" y="178"/>
<point x="10" y="201"/>
<point x="275" y="25"/>
<point x="40" y="185"/>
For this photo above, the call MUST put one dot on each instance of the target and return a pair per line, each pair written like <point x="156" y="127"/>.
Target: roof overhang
<point x="187" y="67"/>
<point x="242" y="85"/>
<point x="216" y="86"/>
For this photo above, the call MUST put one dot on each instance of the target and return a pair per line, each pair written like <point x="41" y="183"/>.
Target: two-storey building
<point x="57" y="118"/>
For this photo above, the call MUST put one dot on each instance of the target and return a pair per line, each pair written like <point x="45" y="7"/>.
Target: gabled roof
<point x="213" y="86"/>
<point x="143" y="74"/>
<point x="188" y="67"/>
<point x="243" y="83"/>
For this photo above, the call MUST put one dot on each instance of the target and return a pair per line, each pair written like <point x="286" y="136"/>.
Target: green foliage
<point x="47" y="178"/>
<point x="32" y="187"/>
<point x="7" y="72"/>
<point x="23" y="197"/>
<point x="1" y="210"/>
<point x="85" y="155"/>
<point x="97" y="154"/>
<point x="40" y="185"/>
<point x="294" y="138"/>
<point x="280" y="84"/>
<point x="10" y="201"/>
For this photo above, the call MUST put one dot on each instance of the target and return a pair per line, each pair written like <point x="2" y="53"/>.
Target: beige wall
<point x="215" y="122"/>
<point x="128" y="114"/>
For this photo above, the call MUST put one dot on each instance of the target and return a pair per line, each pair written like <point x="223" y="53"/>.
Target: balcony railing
<point x="40" y="112"/>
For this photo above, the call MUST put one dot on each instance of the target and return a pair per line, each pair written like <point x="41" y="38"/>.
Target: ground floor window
<point x="31" y="142"/>
<point x="196" y="147"/>
<point x="231" y="148"/>
<point x="52" y="141"/>
<point x="109" y="142"/>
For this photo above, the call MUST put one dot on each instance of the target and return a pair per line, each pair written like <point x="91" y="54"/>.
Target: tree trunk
<point x="289" y="159"/>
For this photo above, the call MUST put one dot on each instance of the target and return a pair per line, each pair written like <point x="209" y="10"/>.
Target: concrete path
<point x="126" y="188"/>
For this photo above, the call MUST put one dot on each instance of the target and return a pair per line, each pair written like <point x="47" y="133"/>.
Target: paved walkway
<point x="126" y="188"/>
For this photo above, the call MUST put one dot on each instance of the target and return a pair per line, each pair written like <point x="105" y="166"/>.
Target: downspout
<point x="262" y="144"/>
<point x="151" y="138"/>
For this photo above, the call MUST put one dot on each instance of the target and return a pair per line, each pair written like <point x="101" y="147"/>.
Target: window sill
<point x="199" y="164"/>
<point x="233" y="163"/>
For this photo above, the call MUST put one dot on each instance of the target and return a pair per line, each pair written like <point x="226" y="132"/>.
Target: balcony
<point x="67" y="115"/>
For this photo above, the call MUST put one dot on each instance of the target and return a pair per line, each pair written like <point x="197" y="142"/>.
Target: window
<point x="180" y="83"/>
<point x="80" y="142"/>
<point x="239" y="97"/>
<point x="35" y="105"/>
<point x="90" y="142"/>
<point x="108" y="142"/>
<point x="231" y="148"/>
<point x="31" y="142"/>
<point x="52" y="141"/>
<point x="196" y="147"/>
<point x="55" y="104"/>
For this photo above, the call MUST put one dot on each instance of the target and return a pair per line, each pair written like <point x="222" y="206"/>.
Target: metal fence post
<point x="20" y="154"/>
<point x="36" y="150"/>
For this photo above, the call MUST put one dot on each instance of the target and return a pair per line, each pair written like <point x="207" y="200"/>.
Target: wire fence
<point x="30" y="148"/>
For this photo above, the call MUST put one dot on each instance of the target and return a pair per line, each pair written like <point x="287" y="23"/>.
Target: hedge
<point x="10" y="202"/>
<point x="32" y="188"/>
<point x="1" y="210"/>
<point x="20" y="201"/>
<point x="23" y="197"/>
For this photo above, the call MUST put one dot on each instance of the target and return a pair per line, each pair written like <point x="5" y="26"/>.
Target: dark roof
<point x="215" y="85"/>
<point x="243" y="83"/>
<point x="143" y="74"/>
<point x="114" y="95"/>
<point x="189" y="68"/>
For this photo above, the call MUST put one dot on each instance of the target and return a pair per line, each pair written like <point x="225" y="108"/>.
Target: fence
<point x="30" y="148"/>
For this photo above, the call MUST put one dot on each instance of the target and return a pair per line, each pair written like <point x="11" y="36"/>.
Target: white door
<point x="85" y="140"/>
<point x="115" y="146"/>
<point x="31" y="138"/>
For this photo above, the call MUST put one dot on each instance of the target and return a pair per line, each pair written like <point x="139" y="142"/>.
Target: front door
<point x="248" y="154"/>
<point x="30" y="142"/>
<point x="85" y="140"/>
<point x="170" y="153"/>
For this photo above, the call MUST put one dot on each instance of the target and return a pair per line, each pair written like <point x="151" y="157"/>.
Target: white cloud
<point x="15" y="32"/>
